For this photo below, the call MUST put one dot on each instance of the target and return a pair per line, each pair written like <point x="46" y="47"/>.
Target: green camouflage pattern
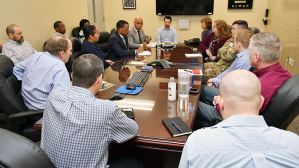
<point x="213" y="69"/>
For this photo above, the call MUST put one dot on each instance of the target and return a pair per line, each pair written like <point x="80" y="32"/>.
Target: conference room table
<point x="151" y="105"/>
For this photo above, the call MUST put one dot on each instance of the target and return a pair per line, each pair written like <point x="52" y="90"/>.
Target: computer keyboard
<point x="138" y="78"/>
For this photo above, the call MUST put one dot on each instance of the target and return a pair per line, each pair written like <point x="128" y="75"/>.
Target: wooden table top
<point x="151" y="105"/>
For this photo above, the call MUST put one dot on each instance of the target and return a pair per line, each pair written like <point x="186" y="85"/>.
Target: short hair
<point x="86" y="70"/>
<point x="56" y="24"/>
<point x="208" y="22"/>
<point x="267" y="45"/>
<point x="11" y="29"/>
<point x="57" y="44"/>
<point x="82" y="22"/>
<point x="168" y="17"/>
<point x="121" y="24"/>
<point x="241" y="23"/>
<point x="89" y="30"/>
<point x="243" y="36"/>
<point x="223" y="30"/>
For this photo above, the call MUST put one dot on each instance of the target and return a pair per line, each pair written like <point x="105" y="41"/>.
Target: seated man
<point x="44" y="71"/>
<point x="264" y="54"/>
<point x="241" y="43"/>
<point x="118" y="42"/>
<point x="60" y="29"/>
<point x="136" y="36"/>
<point x="226" y="54"/>
<point x="243" y="138"/>
<point x="167" y="33"/>
<point x="77" y="126"/>
<point x="16" y="48"/>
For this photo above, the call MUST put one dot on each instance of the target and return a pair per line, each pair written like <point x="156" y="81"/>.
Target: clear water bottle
<point x="171" y="89"/>
<point x="158" y="41"/>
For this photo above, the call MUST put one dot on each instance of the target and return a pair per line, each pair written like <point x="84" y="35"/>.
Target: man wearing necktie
<point x="118" y="42"/>
<point x="136" y="36"/>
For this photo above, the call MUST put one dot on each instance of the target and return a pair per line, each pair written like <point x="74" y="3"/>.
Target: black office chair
<point x="18" y="151"/>
<point x="281" y="110"/>
<point x="75" y="32"/>
<point x="230" y="28"/>
<point x="254" y="30"/>
<point x="76" y="52"/>
<point x="113" y="30"/>
<point x="284" y="106"/>
<point x="103" y="42"/>
<point x="11" y="102"/>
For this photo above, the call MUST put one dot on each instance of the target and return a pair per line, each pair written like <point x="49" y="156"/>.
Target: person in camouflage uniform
<point x="226" y="54"/>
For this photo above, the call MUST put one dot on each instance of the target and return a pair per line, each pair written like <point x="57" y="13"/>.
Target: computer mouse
<point x="131" y="87"/>
<point x="116" y="96"/>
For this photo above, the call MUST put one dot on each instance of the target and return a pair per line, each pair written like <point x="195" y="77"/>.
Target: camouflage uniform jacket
<point x="213" y="69"/>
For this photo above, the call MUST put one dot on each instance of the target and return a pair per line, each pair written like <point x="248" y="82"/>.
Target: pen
<point x="176" y="126"/>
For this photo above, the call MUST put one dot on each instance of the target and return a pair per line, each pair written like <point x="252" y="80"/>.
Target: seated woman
<point x="206" y="25"/>
<point x="83" y="23"/>
<point x="214" y="41"/>
<point x="91" y="34"/>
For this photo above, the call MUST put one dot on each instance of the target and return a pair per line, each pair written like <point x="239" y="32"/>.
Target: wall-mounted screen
<point x="184" y="7"/>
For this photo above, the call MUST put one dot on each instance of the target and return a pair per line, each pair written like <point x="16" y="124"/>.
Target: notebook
<point x="180" y="123"/>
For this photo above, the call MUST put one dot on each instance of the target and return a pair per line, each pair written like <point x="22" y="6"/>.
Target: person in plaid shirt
<point x="16" y="48"/>
<point x="78" y="127"/>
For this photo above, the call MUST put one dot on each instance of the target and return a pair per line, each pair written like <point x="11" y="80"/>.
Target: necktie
<point x="124" y="42"/>
<point x="140" y="41"/>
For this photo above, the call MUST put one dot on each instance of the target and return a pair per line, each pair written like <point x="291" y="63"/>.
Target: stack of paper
<point x="151" y="45"/>
<point x="193" y="55"/>
<point x="144" y="53"/>
<point x="137" y="63"/>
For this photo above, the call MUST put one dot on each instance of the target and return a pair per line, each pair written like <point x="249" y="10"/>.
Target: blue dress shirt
<point x="167" y="35"/>
<point x="92" y="48"/>
<point x="78" y="128"/>
<point x="241" y="141"/>
<point x="241" y="62"/>
<point x="40" y="74"/>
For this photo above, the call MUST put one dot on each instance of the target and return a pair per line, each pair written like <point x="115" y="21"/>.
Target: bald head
<point x="241" y="93"/>
<point x="138" y="23"/>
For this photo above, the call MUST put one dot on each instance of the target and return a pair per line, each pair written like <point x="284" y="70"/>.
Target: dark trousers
<point x="126" y="162"/>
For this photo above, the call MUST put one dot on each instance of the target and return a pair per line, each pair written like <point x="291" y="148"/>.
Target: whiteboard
<point x="283" y="20"/>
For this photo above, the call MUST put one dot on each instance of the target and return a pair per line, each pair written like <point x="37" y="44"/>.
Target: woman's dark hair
<point x="89" y="30"/>
<point x="82" y="22"/>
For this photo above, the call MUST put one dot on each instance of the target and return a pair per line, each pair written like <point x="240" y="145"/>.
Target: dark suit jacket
<point x="117" y="48"/>
<point x="92" y="48"/>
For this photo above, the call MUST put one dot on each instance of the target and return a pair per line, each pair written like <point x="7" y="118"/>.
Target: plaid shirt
<point x="241" y="141"/>
<point x="17" y="52"/>
<point x="40" y="74"/>
<point x="78" y="128"/>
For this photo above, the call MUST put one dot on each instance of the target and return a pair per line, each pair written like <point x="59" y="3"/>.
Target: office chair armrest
<point x="216" y="118"/>
<point x="25" y="114"/>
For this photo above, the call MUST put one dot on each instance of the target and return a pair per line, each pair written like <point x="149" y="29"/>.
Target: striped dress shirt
<point x="169" y="35"/>
<point x="241" y="62"/>
<point x="40" y="74"/>
<point x="241" y="141"/>
<point x="17" y="52"/>
<point x="78" y="128"/>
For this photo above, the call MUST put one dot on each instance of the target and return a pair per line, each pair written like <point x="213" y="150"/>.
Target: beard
<point x="20" y="41"/>
<point x="166" y="26"/>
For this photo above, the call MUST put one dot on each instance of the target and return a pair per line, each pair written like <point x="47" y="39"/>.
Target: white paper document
<point x="151" y="45"/>
<point x="144" y="53"/>
<point x="193" y="55"/>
